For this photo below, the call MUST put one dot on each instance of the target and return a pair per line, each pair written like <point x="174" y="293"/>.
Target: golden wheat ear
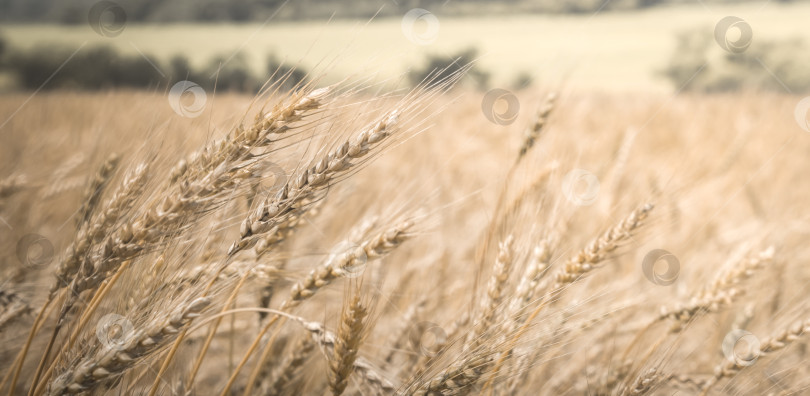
<point x="347" y="345"/>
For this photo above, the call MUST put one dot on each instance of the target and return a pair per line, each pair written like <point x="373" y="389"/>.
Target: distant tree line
<point x="699" y="64"/>
<point x="49" y="66"/>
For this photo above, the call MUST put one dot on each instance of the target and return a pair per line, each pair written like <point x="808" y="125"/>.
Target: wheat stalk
<point x="90" y="372"/>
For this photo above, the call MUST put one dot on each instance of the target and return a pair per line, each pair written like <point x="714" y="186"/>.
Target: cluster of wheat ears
<point x="266" y="262"/>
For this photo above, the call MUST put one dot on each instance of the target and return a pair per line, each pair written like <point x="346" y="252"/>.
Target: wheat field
<point x="345" y="240"/>
<point x="615" y="52"/>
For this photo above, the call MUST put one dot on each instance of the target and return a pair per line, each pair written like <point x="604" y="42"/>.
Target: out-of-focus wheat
<point x="478" y="274"/>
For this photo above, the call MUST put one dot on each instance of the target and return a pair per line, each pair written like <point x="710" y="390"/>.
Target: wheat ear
<point x="349" y="337"/>
<point x="197" y="185"/>
<point x="90" y="372"/>
<point x="279" y="214"/>
<point x="457" y="380"/>
<point x="575" y="268"/>
<point x="118" y="205"/>
<point x="720" y="293"/>
<point x="338" y="266"/>
<point x="372" y="248"/>
<point x="589" y="258"/>
<point x="375" y="247"/>
<point x="530" y="282"/>
<point x="645" y="383"/>
<point x="96" y="189"/>
<point x="495" y="292"/>
<point x="730" y="367"/>
<point x="534" y="130"/>
<point x="327" y="340"/>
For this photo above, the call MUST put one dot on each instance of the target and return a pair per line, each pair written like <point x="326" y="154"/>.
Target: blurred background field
<point x="604" y="49"/>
